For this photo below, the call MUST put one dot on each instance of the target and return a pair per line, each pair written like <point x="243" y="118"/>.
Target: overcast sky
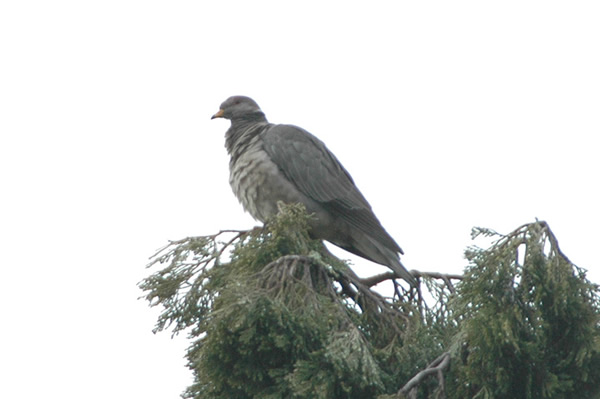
<point x="447" y="114"/>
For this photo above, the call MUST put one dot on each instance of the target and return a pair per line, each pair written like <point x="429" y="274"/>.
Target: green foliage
<point x="529" y="323"/>
<point x="279" y="317"/>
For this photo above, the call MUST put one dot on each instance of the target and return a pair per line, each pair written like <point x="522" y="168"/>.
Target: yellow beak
<point x="219" y="114"/>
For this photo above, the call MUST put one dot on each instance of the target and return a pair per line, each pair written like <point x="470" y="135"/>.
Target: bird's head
<point x="239" y="107"/>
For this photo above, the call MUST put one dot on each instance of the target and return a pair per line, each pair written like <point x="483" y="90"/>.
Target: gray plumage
<point x="271" y="163"/>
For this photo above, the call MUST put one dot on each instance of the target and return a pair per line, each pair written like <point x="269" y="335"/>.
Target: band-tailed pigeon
<point x="271" y="163"/>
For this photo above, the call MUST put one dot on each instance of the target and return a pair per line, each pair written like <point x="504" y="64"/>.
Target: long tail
<point x="373" y="250"/>
<point x="402" y="272"/>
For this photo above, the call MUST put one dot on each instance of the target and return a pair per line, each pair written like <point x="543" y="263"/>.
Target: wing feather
<point x="316" y="172"/>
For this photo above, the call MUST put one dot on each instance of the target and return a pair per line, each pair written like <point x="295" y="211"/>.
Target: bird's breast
<point x="258" y="184"/>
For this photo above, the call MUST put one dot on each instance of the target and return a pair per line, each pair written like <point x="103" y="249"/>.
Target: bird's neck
<point x="248" y="120"/>
<point x="241" y="132"/>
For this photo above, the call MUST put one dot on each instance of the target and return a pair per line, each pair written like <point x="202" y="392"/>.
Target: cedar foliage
<point x="271" y="314"/>
<point x="529" y="322"/>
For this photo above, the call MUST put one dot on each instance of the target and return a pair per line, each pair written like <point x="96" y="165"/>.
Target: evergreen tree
<point x="272" y="314"/>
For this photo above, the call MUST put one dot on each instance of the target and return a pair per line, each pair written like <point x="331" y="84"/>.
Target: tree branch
<point x="437" y="366"/>
<point x="378" y="278"/>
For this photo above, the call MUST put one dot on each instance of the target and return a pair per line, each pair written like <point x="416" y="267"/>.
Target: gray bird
<point x="271" y="163"/>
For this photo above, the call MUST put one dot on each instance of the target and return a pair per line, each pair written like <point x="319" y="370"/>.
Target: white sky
<point x="447" y="114"/>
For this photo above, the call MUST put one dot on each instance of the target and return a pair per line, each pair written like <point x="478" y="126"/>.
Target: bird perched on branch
<point x="271" y="163"/>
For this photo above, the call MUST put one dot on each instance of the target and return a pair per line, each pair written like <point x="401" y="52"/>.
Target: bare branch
<point x="378" y="278"/>
<point x="436" y="367"/>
